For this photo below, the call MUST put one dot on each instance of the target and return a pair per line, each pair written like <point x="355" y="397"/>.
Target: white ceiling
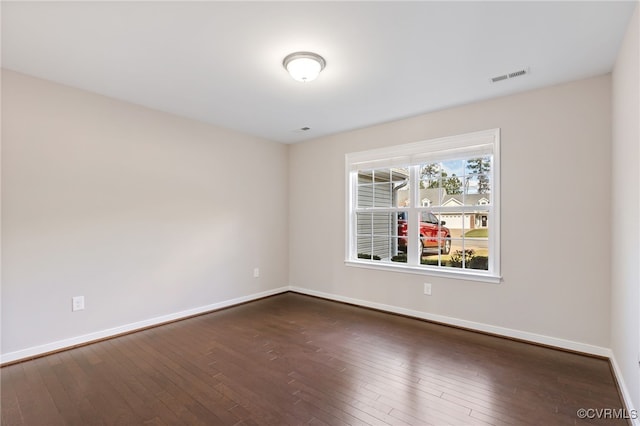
<point x="221" y="62"/>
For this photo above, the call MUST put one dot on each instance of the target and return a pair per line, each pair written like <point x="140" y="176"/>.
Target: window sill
<point x="460" y="275"/>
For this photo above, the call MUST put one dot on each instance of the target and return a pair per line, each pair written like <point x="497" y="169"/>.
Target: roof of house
<point x="438" y="196"/>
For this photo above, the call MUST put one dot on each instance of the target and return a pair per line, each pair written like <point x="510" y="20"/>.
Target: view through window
<point x="430" y="205"/>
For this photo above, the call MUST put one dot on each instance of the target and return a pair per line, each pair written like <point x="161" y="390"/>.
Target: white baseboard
<point x="127" y="328"/>
<point x="501" y="331"/>
<point x="628" y="402"/>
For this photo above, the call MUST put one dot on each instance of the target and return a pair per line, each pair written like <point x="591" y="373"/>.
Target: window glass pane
<point x="364" y="224"/>
<point x="457" y="222"/>
<point x="365" y="196"/>
<point x="429" y="175"/>
<point x="428" y="217"/>
<point x="469" y="259"/>
<point x="451" y="200"/>
<point x="364" y="230"/>
<point x="385" y="248"/>
<point x="364" y="246"/>
<point x="454" y="167"/>
<point x="402" y="227"/>
<point x="381" y="247"/>
<point x="430" y="197"/>
<point x="366" y="255"/>
<point x="401" y="192"/>
<point x="479" y="261"/>
<point x="383" y="188"/>
<point x="374" y="188"/>
<point x="398" y="255"/>
<point x="439" y="180"/>
<point x="400" y="174"/>
<point x="383" y="194"/>
<point x="476" y="188"/>
<point x="434" y="178"/>
<point x="472" y="252"/>
<point x="402" y="197"/>
<point x="433" y="235"/>
<point x="455" y="239"/>
<point x="381" y="175"/>
<point x="377" y="235"/>
<point x="365" y="176"/>
<point x="452" y="185"/>
<point x="383" y="224"/>
<point x="477" y="238"/>
<point x="478" y="165"/>
<point x="433" y="260"/>
<point x="459" y="256"/>
<point x="452" y="205"/>
<point x="451" y="220"/>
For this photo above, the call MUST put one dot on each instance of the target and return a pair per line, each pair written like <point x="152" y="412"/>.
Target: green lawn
<point x="447" y="257"/>
<point x="477" y="233"/>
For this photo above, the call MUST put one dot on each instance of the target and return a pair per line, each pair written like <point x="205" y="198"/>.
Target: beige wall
<point x="625" y="278"/>
<point x="144" y="213"/>
<point x="555" y="217"/>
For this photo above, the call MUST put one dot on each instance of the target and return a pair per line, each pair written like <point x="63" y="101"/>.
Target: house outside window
<point x="430" y="207"/>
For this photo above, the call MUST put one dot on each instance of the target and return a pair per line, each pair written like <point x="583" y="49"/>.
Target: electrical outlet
<point x="77" y="303"/>
<point x="427" y="289"/>
<point x="256" y="272"/>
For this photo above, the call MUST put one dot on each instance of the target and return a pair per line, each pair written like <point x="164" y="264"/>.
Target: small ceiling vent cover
<point x="513" y="74"/>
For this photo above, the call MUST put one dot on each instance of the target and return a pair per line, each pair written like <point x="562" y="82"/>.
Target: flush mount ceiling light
<point x="304" y="66"/>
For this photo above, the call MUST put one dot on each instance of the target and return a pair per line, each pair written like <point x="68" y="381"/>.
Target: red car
<point x="434" y="236"/>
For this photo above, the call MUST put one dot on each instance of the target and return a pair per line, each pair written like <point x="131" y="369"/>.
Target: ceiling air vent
<point x="513" y="74"/>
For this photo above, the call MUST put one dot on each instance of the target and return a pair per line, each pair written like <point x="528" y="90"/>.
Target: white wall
<point x="555" y="255"/>
<point x="625" y="191"/>
<point x="144" y="213"/>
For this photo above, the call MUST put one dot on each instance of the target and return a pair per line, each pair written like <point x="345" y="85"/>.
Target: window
<point x="429" y="207"/>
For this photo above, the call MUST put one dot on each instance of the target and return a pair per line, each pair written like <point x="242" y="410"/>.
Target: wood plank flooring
<point x="294" y="359"/>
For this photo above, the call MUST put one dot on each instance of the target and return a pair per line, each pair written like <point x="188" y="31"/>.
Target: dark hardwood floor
<point x="294" y="359"/>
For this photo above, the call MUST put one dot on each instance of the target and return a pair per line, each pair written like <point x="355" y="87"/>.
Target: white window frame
<point x="414" y="154"/>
